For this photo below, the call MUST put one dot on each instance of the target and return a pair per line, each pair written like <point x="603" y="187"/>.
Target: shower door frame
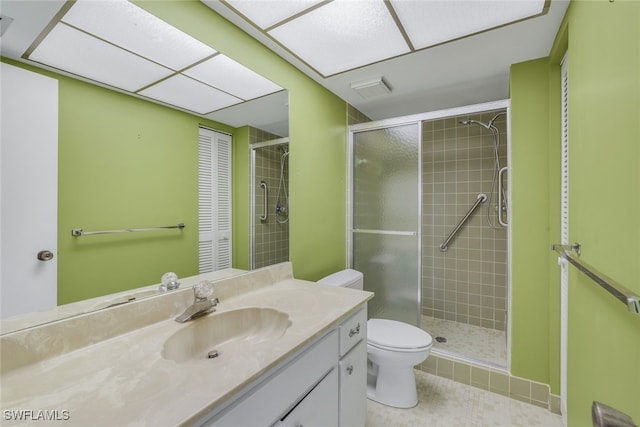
<point x="418" y="119"/>
<point x="252" y="194"/>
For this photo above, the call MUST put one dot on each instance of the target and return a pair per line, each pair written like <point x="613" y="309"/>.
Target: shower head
<point x="475" y="122"/>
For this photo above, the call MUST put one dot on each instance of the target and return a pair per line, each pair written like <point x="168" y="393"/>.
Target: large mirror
<point x="132" y="97"/>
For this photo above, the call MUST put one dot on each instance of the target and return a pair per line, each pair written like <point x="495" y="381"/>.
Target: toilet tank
<point x="345" y="278"/>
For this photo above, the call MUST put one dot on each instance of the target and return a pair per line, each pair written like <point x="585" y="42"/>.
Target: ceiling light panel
<point x="73" y="51"/>
<point x="268" y="13"/>
<point x="428" y="23"/>
<point x="226" y="74"/>
<point x="184" y="92"/>
<point x="342" y="35"/>
<point x="127" y="25"/>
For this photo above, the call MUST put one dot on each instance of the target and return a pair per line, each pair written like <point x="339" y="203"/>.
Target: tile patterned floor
<point x="445" y="403"/>
<point x="476" y="342"/>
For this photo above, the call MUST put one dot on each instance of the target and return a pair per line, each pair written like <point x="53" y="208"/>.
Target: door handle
<point x="501" y="200"/>
<point x="265" y="196"/>
<point x="45" y="256"/>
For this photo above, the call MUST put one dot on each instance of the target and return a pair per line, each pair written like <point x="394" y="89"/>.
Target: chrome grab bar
<point x="626" y="296"/>
<point x="500" y="198"/>
<point x="263" y="184"/>
<point x="77" y="232"/>
<point x="480" y="199"/>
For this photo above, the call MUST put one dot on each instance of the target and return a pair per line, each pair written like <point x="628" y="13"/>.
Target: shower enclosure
<point x="429" y="225"/>
<point x="270" y="202"/>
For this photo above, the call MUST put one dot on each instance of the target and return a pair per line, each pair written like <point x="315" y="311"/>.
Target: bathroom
<point x="317" y="172"/>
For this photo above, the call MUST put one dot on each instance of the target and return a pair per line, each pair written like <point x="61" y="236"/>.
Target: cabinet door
<point x="319" y="408"/>
<point x="353" y="387"/>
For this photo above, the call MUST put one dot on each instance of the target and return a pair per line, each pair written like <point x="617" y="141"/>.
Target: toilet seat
<point x="397" y="336"/>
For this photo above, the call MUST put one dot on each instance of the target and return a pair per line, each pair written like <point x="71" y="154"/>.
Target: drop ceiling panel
<point x="342" y="35"/>
<point x="432" y="22"/>
<point x="73" y="51"/>
<point x="134" y="29"/>
<point x="228" y="75"/>
<point x="187" y="93"/>
<point x="268" y="13"/>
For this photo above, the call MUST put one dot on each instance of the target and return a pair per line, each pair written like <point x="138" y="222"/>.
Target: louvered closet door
<point x="214" y="190"/>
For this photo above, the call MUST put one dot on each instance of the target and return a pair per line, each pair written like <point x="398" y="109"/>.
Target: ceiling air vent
<point x="371" y="88"/>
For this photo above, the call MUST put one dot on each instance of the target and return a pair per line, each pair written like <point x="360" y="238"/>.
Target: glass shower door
<point x="385" y="219"/>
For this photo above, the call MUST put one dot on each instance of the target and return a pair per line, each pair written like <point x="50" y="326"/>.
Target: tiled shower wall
<point x="355" y="116"/>
<point x="271" y="244"/>
<point x="468" y="282"/>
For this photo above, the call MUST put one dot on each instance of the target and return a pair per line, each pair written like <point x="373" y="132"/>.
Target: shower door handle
<point x="501" y="199"/>
<point x="263" y="184"/>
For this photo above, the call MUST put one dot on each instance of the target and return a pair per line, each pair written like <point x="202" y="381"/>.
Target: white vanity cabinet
<point x="323" y="385"/>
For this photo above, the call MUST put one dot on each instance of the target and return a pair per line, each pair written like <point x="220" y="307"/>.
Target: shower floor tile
<point x="446" y="403"/>
<point x="483" y="344"/>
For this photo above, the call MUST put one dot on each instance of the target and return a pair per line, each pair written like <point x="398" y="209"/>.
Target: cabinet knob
<point x="350" y="369"/>
<point x="355" y="331"/>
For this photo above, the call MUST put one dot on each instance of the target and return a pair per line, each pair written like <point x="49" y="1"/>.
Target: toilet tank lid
<point x="342" y="278"/>
<point x="391" y="333"/>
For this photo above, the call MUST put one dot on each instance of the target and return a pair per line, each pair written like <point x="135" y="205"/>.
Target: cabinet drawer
<point x="353" y="330"/>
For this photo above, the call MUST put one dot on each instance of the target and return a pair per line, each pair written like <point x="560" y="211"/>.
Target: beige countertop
<point x="125" y="380"/>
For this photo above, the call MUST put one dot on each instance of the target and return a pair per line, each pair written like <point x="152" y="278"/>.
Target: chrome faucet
<point x="202" y="304"/>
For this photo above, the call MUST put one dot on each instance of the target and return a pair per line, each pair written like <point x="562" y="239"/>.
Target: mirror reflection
<point x="114" y="157"/>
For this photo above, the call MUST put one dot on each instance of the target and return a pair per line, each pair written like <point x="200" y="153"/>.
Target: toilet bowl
<point x="393" y="349"/>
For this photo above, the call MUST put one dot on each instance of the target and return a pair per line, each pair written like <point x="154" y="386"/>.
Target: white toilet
<point x="393" y="349"/>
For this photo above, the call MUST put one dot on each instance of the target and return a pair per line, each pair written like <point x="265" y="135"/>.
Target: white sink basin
<point x="219" y="333"/>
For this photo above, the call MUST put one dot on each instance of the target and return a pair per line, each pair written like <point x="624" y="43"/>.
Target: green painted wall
<point x="123" y="163"/>
<point x="530" y="222"/>
<point x="317" y="176"/>
<point x="603" y="41"/>
<point x="317" y="133"/>
<point x="553" y="216"/>
<point x="241" y="177"/>
<point x="604" y="128"/>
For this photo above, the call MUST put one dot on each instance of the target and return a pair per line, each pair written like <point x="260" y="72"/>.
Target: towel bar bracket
<point x="576" y="247"/>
